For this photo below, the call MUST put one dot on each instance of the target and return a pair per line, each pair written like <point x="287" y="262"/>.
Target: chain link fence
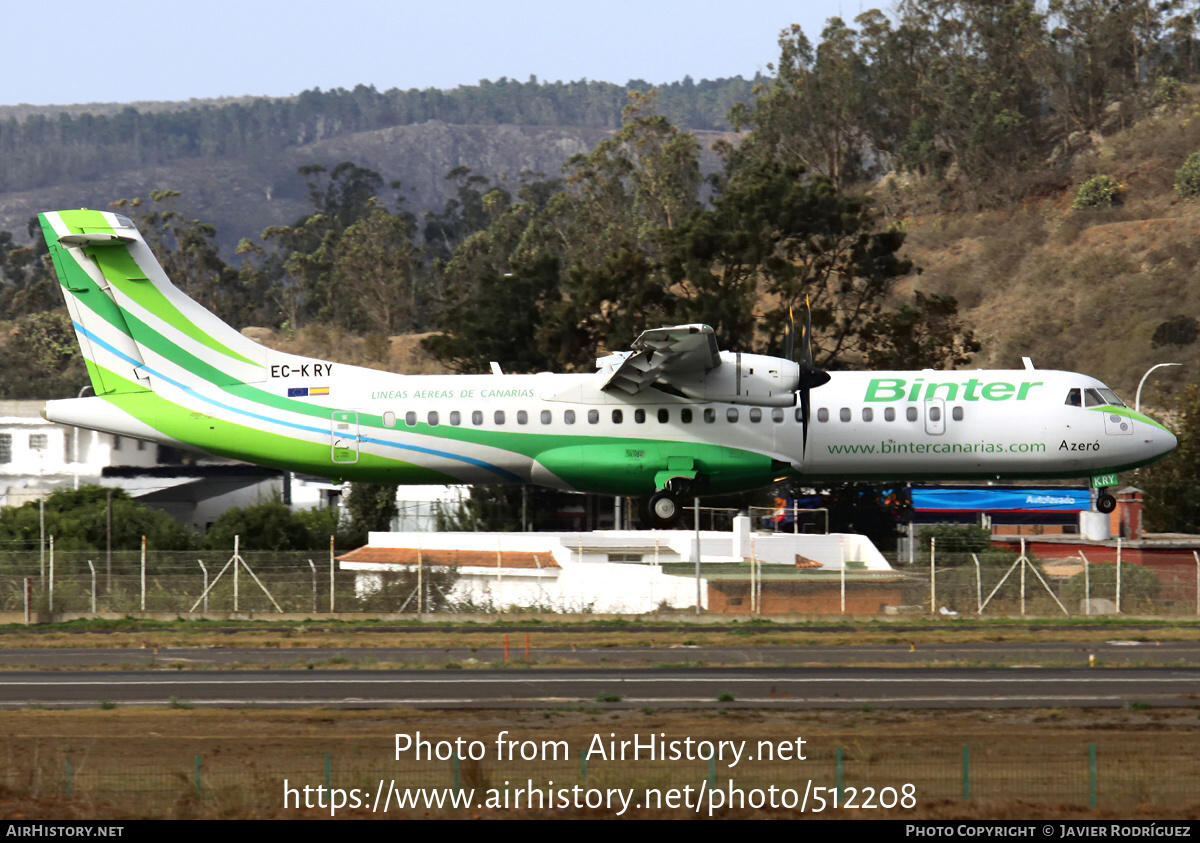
<point x="937" y="581"/>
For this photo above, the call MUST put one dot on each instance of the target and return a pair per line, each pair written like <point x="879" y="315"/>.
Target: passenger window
<point x="731" y="414"/>
<point x="546" y="417"/>
<point x="868" y="414"/>
<point x="685" y="416"/>
<point x="1073" y="398"/>
<point x="499" y="417"/>
<point x="455" y="418"/>
<point x="639" y="416"/>
<point x="432" y="418"/>
<point x="569" y="416"/>
<point x="889" y="413"/>
<point x="389" y="419"/>
<point x="935" y="413"/>
<point x="618" y="416"/>
<point x="522" y="417"/>
<point x="822" y="414"/>
<point x="410" y="418"/>
<point x="911" y="414"/>
<point x="477" y="417"/>
<point x="664" y="416"/>
<point x="777" y="415"/>
<point x="593" y="416"/>
<point x="844" y="414"/>
<point x="710" y="415"/>
<point x="755" y="415"/>
<point x="957" y="413"/>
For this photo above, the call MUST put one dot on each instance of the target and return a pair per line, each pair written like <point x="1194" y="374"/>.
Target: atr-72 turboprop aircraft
<point x="673" y="417"/>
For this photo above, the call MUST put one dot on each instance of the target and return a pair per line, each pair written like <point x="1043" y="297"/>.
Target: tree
<point x="271" y="525"/>
<point x="42" y="358"/>
<point x="77" y="518"/>
<point x="371" y="506"/>
<point x="1172" y="494"/>
<point x="778" y="233"/>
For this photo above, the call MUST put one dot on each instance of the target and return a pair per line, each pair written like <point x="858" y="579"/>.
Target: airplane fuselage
<point x="562" y="431"/>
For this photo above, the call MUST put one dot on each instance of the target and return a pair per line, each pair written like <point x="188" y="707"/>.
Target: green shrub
<point x="1167" y="90"/>
<point x="1097" y="192"/>
<point x="1187" y="177"/>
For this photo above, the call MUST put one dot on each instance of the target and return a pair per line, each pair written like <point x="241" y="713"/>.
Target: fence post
<point x="838" y="758"/>
<point x="932" y="578"/>
<point x="328" y="773"/>
<point x="454" y="774"/>
<point x="199" y="780"/>
<point x="1092" y="776"/>
<point x="50" y="593"/>
<point x="966" y="773"/>
<point x="92" y="568"/>
<point x="143" y="573"/>
<point x="70" y="782"/>
<point x="712" y="771"/>
<point x="583" y="758"/>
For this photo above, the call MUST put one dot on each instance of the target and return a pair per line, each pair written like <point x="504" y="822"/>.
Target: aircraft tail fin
<point x="137" y="330"/>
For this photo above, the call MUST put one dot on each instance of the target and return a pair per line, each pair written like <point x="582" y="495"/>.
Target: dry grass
<point x="1024" y="764"/>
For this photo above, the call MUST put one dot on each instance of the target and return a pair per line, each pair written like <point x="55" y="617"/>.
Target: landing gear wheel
<point x="664" y="510"/>
<point x="1105" y="503"/>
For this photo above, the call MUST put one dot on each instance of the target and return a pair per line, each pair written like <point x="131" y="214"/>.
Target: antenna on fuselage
<point x="1028" y="362"/>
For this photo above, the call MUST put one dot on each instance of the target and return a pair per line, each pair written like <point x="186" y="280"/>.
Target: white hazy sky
<point x="77" y="52"/>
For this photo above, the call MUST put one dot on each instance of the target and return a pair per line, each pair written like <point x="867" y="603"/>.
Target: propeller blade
<point x="804" y="409"/>
<point x="789" y="337"/>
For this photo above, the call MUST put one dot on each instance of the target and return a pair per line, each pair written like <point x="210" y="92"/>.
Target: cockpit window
<point x="1110" y="397"/>
<point x="1074" y="398"/>
<point x="1092" y="398"/>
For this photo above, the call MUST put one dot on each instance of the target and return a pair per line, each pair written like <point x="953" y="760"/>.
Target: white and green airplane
<point x="674" y="417"/>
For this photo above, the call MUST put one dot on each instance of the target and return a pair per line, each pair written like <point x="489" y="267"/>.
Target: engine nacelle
<point x="744" y="379"/>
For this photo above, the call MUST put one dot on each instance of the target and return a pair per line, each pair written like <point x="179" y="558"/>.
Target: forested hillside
<point x="958" y="182"/>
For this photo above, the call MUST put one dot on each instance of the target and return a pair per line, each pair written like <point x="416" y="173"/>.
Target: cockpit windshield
<point x="1093" y="397"/>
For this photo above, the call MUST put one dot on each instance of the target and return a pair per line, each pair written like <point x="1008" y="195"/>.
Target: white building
<point x="614" y="571"/>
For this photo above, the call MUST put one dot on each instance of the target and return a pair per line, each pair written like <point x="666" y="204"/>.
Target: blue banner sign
<point x="1000" y="500"/>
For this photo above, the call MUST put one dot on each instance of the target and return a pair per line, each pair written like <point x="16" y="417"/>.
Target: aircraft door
<point x="935" y="416"/>
<point x="344" y="437"/>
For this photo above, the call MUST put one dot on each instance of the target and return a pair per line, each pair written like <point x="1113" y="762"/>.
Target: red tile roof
<point x="462" y="558"/>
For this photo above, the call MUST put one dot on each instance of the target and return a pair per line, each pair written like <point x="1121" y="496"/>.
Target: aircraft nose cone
<point x="1167" y="442"/>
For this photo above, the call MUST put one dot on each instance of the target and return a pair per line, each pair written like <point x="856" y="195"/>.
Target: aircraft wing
<point x="659" y="354"/>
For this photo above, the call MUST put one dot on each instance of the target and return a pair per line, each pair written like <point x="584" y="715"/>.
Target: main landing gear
<point x="1105" y="502"/>
<point x="663" y="507"/>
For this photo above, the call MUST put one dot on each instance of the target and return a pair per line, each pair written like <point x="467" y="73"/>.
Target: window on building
<point x="37" y="441"/>
<point x="5" y="447"/>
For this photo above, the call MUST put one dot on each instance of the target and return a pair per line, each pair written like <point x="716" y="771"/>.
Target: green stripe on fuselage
<point x="122" y="272"/>
<point x="237" y="441"/>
